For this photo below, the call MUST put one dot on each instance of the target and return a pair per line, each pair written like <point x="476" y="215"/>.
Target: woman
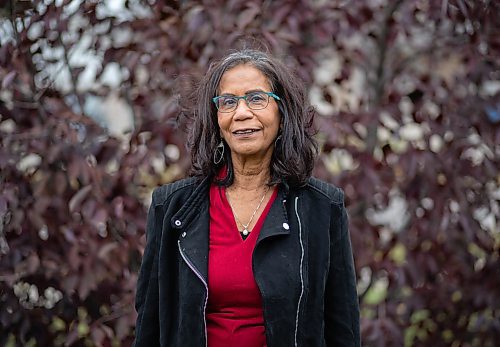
<point x="251" y="250"/>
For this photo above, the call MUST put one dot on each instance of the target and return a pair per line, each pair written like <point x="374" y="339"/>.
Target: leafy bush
<point x="407" y="96"/>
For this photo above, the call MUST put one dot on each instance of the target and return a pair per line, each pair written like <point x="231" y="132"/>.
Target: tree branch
<point x="72" y="75"/>
<point x="27" y="57"/>
<point x="379" y="82"/>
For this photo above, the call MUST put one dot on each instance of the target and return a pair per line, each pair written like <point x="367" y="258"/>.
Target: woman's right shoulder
<point x="165" y="192"/>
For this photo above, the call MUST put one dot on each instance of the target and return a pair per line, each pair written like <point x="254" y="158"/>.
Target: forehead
<point x="243" y="78"/>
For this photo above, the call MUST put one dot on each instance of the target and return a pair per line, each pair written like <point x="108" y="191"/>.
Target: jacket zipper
<point x="197" y="273"/>
<point x="301" y="271"/>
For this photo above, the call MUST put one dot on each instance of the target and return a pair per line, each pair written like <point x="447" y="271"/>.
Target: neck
<point x="251" y="174"/>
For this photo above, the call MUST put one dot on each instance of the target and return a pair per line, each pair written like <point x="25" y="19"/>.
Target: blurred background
<point x="407" y="96"/>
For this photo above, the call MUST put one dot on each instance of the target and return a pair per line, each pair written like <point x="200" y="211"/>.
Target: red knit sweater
<point x="234" y="311"/>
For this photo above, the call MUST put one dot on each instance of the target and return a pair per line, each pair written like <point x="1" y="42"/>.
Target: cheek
<point x="220" y="123"/>
<point x="276" y="122"/>
<point x="223" y="125"/>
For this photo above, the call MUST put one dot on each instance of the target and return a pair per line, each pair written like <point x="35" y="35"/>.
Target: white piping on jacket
<point x="301" y="272"/>
<point x="191" y="266"/>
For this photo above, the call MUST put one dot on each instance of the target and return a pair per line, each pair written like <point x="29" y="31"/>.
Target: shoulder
<point x="164" y="192"/>
<point x="325" y="189"/>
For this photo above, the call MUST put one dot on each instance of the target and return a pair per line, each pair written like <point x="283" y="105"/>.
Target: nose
<point x="242" y="110"/>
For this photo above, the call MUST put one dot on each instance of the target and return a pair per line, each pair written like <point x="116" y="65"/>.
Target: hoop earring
<point x="219" y="153"/>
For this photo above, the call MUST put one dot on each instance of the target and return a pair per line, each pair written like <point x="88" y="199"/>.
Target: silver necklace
<point x="245" y="230"/>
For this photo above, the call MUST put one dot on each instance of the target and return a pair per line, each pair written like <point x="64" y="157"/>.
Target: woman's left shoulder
<point x="328" y="190"/>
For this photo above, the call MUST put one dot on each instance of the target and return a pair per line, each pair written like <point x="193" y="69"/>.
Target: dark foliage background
<point x="408" y="99"/>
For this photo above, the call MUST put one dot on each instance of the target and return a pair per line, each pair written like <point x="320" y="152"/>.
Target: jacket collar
<point x="193" y="222"/>
<point x="191" y="207"/>
<point x="276" y="222"/>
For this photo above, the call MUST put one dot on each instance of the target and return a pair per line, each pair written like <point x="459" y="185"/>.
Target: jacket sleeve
<point x="146" y="299"/>
<point x="341" y="300"/>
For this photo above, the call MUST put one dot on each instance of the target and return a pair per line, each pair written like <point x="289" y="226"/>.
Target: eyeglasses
<point x="254" y="101"/>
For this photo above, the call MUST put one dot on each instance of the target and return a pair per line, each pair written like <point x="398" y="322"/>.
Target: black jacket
<point x="302" y="264"/>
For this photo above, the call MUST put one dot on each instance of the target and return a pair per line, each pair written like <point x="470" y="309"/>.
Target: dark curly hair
<point x="294" y="153"/>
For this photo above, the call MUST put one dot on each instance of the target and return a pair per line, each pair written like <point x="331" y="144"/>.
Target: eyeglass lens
<point x="254" y="101"/>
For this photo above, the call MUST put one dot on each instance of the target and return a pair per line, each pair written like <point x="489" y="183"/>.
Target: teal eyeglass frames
<point x="254" y="100"/>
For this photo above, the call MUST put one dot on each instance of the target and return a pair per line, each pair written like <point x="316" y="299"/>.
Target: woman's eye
<point x="256" y="98"/>
<point x="228" y="101"/>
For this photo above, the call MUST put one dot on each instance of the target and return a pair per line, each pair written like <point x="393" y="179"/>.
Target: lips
<point x="245" y="131"/>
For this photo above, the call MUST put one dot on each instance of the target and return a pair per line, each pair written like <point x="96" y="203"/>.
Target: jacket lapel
<point x="192" y="220"/>
<point x="276" y="222"/>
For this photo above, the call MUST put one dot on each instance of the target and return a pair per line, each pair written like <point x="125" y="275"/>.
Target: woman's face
<point x="249" y="133"/>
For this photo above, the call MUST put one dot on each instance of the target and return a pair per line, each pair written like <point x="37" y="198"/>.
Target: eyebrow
<point x="246" y="93"/>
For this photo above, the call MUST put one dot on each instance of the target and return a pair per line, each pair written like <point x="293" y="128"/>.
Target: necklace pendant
<point x="245" y="232"/>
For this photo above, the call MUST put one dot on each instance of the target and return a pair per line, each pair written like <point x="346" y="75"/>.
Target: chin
<point x="251" y="152"/>
<point x="245" y="153"/>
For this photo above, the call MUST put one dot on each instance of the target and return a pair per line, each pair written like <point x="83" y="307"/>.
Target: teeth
<point x="244" y="131"/>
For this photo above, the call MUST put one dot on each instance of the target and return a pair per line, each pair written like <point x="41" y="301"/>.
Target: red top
<point x="234" y="311"/>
